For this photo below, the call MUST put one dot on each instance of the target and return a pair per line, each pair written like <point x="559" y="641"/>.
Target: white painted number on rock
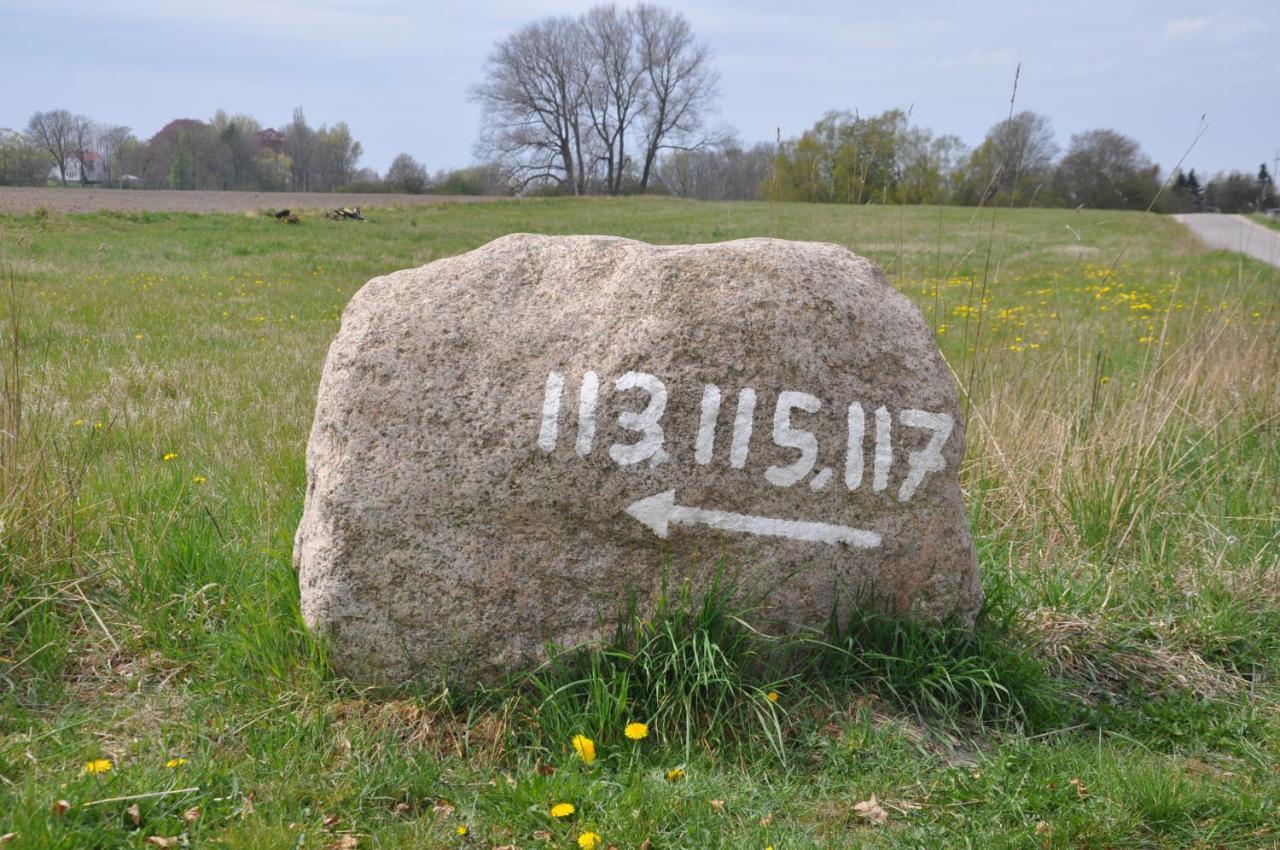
<point x="587" y="413"/>
<point x="929" y="459"/>
<point x="884" y="450"/>
<point x="793" y="438"/>
<point x="742" y="428"/>
<point x="705" y="443"/>
<point x="853" y="460"/>
<point x="646" y="421"/>
<point x="551" y="412"/>
<point x="650" y="444"/>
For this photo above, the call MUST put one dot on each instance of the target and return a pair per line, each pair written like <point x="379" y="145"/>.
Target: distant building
<point x="95" y="169"/>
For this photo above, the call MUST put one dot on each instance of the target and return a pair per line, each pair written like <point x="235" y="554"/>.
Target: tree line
<point x="618" y="100"/>
<point x="621" y="100"/>
<point x="229" y="151"/>
<point x="847" y="158"/>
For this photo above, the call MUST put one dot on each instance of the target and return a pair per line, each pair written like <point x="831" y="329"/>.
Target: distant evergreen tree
<point x="1194" y="189"/>
<point x="1183" y="193"/>
<point x="1266" y="188"/>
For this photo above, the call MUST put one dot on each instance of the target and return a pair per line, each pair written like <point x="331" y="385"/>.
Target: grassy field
<point x="157" y="687"/>
<point x="1266" y="220"/>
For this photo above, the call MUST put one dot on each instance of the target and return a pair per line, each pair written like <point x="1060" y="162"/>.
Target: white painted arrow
<point x="658" y="511"/>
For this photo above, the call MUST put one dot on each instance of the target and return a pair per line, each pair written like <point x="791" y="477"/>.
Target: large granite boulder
<point x="512" y="444"/>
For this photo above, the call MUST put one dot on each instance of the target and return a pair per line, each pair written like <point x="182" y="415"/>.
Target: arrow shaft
<point x="814" y="532"/>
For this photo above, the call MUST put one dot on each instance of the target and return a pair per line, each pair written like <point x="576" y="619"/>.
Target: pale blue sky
<point x="398" y="72"/>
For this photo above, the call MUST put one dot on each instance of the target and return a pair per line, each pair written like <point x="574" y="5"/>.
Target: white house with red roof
<point x="95" y="168"/>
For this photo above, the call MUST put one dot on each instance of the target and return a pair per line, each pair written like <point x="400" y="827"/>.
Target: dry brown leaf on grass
<point x="542" y="835"/>
<point x="766" y="820"/>
<point x="192" y="814"/>
<point x="161" y="841"/>
<point x="400" y="809"/>
<point x="330" y="821"/>
<point x="443" y="808"/>
<point x="718" y="805"/>
<point x="871" y="810"/>
<point x="135" y="814"/>
<point x="1081" y="791"/>
<point x="60" y="807"/>
<point x="7" y="837"/>
<point x="344" y="842"/>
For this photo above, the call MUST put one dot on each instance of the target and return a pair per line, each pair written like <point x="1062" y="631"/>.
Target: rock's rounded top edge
<point x="543" y="249"/>
<point x="520" y="238"/>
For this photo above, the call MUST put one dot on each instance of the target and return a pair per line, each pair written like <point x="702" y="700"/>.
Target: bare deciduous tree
<point x="533" y="104"/>
<point x="82" y="143"/>
<point x="299" y="142"/>
<point x="110" y="140"/>
<point x="721" y="172"/>
<point x="682" y="83"/>
<point x="566" y="98"/>
<point x="54" y="132"/>
<point x="615" y="85"/>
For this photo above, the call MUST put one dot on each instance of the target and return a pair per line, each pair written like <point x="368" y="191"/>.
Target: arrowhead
<point x="654" y="512"/>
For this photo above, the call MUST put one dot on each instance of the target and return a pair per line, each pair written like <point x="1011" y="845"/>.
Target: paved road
<point x="1235" y="233"/>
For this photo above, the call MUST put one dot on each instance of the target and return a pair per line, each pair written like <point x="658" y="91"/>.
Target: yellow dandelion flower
<point x="78" y="422"/>
<point x="675" y="774"/>
<point x="97" y="426"/>
<point x="589" y="841"/>
<point x="773" y="696"/>
<point x="463" y="831"/>
<point x="199" y="479"/>
<point x="1105" y="379"/>
<point x="175" y="762"/>
<point x="168" y="456"/>
<point x="137" y="336"/>
<point x="562" y="810"/>
<point x="585" y="748"/>
<point x="636" y="731"/>
<point x="97" y="766"/>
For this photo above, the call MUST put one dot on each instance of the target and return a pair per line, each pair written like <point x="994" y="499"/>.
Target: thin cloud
<point x="1184" y="27"/>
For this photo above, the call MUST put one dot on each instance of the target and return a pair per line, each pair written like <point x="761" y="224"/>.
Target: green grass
<point x="1119" y="690"/>
<point x="1266" y="220"/>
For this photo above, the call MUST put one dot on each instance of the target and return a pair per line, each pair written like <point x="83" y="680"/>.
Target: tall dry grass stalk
<point x="1087" y="461"/>
<point x="11" y="428"/>
<point x="39" y="475"/>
